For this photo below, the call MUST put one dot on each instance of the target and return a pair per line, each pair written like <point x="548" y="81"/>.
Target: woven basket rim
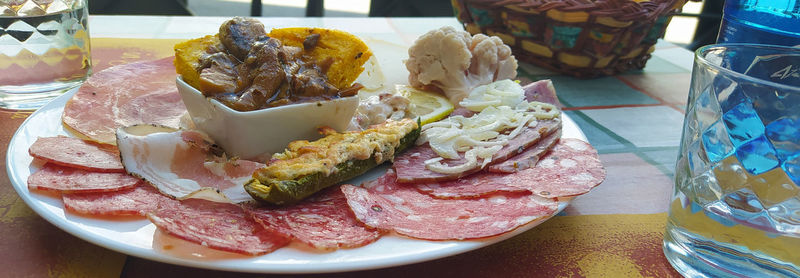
<point x="623" y="10"/>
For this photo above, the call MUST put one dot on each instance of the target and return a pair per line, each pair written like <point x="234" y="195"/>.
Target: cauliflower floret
<point x="456" y="62"/>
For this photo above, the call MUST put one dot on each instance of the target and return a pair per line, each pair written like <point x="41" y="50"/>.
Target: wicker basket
<point x="583" y="38"/>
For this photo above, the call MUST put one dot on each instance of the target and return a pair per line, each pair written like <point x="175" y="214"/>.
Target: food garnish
<point x="246" y="68"/>
<point x="429" y="107"/>
<point x="307" y="167"/>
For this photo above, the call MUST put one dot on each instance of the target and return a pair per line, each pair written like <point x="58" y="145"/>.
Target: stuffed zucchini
<point x="307" y="167"/>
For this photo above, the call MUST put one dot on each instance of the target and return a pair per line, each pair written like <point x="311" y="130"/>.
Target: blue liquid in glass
<point x="761" y="21"/>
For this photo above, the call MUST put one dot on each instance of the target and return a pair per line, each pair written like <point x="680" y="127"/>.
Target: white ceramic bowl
<point x="253" y="133"/>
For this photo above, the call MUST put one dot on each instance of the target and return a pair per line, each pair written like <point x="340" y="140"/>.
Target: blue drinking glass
<point x="735" y="211"/>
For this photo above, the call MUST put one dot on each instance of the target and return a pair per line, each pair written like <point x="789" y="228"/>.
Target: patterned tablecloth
<point x="634" y="120"/>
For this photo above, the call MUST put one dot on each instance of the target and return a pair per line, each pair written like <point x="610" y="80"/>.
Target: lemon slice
<point x="430" y="107"/>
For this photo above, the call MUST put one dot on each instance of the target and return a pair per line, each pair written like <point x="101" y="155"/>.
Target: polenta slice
<point x="349" y="53"/>
<point x="187" y="57"/>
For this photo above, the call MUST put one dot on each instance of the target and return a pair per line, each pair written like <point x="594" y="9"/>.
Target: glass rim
<point x="700" y="58"/>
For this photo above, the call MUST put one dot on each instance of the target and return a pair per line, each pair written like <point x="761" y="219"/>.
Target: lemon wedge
<point x="430" y="107"/>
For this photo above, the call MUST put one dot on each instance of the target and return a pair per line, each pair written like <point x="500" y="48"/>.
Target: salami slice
<point x="53" y="177"/>
<point x="571" y="168"/>
<point x="323" y="221"/>
<point x="124" y="95"/>
<point x="135" y="201"/>
<point x="480" y="184"/>
<point x="76" y="153"/>
<point x="410" y="166"/>
<point x="221" y="226"/>
<point x="387" y="205"/>
<point x="182" y="164"/>
<point x="529" y="157"/>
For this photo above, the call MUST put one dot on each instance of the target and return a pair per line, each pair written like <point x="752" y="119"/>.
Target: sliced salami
<point x="527" y="158"/>
<point x="571" y="168"/>
<point x="136" y="201"/>
<point x="323" y="221"/>
<point x="387" y="205"/>
<point x="77" y="153"/>
<point x="182" y="164"/>
<point x="410" y="166"/>
<point x="53" y="177"/>
<point x="124" y="95"/>
<point x="221" y="226"/>
<point x="480" y="184"/>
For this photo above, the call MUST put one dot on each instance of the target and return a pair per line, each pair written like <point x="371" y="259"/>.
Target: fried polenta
<point x="187" y="57"/>
<point x="349" y="53"/>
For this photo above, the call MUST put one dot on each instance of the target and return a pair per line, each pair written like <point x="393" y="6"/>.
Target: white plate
<point x="136" y="237"/>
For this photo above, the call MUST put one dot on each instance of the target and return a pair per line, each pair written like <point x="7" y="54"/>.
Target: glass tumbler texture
<point x="44" y="50"/>
<point x="735" y="211"/>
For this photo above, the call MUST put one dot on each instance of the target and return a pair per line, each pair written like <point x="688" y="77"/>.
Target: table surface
<point x="634" y="120"/>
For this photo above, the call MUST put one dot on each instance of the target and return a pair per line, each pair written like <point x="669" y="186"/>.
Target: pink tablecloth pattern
<point x="634" y="120"/>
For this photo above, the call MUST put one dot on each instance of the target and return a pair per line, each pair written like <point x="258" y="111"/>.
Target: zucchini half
<point x="285" y="192"/>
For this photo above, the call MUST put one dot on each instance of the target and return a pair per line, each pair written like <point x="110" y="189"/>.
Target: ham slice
<point x="220" y="226"/>
<point x="136" y="201"/>
<point x="571" y="168"/>
<point x="124" y="95"/>
<point x="183" y="164"/>
<point x="62" y="179"/>
<point x="76" y="153"/>
<point x="384" y="204"/>
<point x="323" y="221"/>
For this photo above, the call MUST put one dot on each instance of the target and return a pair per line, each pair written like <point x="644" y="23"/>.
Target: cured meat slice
<point x="53" y="177"/>
<point x="387" y="205"/>
<point x="124" y="95"/>
<point x="76" y="153"/>
<point x="182" y="164"/>
<point x="410" y="166"/>
<point x="527" y="158"/>
<point x="221" y="226"/>
<point x="542" y="91"/>
<point x="135" y="201"/>
<point x="480" y="184"/>
<point x="571" y="168"/>
<point x="323" y="221"/>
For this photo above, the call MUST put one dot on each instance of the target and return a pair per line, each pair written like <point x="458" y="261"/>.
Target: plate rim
<point x="69" y="222"/>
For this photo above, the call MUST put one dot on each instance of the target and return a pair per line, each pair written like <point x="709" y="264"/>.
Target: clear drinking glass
<point x="735" y="211"/>
<point x="44" y="50"/>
